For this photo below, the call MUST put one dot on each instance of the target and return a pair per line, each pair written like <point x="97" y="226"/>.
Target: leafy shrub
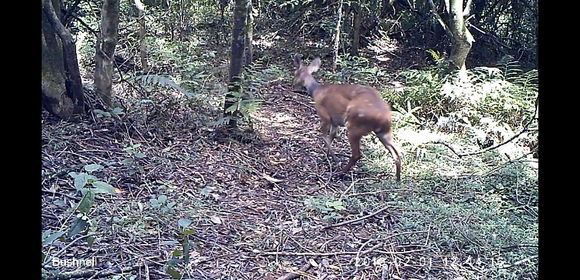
<point x="247" y="99"/>
<point x="490" y="105"/>
<point x="89" y="186"/>
<point x="358" y="70"/>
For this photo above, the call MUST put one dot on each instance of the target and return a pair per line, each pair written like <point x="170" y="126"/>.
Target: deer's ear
<point x="314" y="65"/>
<point x="297" y="60"/>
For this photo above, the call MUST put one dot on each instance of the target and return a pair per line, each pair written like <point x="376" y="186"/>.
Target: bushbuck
<point x="361" y="109"/>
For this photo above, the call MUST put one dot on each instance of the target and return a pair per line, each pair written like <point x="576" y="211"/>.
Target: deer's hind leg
<point x="387" y="140"/>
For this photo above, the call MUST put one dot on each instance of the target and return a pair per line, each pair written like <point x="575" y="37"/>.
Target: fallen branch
<point x="322" y="254"/>
<point x="296" y="274"/>
<point x="524" y="130"/>
<point x="326" y="254"/>
<point x="533" y="150"/>
<point x="358" y="219"/>
<point x="521" y="261"/>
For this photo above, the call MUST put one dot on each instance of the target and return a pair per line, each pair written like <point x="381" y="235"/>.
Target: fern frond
<point x="158" y="80"/>
<point x="511" y="68"/>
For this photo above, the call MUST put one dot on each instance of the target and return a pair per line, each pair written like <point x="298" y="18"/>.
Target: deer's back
<point x="352" y="103"/>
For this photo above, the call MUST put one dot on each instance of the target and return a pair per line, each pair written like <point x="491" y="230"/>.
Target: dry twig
<point x="358" y="219"/>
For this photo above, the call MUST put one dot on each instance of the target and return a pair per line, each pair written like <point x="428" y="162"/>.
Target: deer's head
<point x="303" y="74"/>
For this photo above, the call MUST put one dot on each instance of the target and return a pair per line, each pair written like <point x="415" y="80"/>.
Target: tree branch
<point x="68" y="14"/>
<point x="433" y="12"/>
<point x="524" y="129"/>
<point x="358" y="219"/>
<point x="467" y="9"/>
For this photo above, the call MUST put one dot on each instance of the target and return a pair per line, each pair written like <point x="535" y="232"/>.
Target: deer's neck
<point x="311" y="85"/>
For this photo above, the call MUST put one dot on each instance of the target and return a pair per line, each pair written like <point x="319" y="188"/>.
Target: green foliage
<point x="493" y="218"/>
<point x="161" y="204"/>
<point x="48" y="236"/>
<point x="132" y="161"/>
<point x="181" y="256"/>
<point x="480" y="215"/>
<point x="247" y="100"/>
<point x="89" y="185"/>
<point x="358" y="70"/>
<point x="504" y="94"/>
<point x="422" y="94"/>
<point x="158" y="80"/>
<point x="115" y="112"/>
<point x="242" y="106"/>
<point x="326" y="206"/>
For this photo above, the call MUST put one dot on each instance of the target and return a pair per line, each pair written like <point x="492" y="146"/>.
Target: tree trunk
<point x="356" y="25"/>
<point x="250" y="34"/>
<point x="105" y="49"/>
<point x="236" y="59"/>
<point x="337" y="36"/>
<point x="455" y="28"/>
<point x="462" y="38"/>
<point x="62" y="93"/>
<point x="223" y="4"/>
<point x="142" y="33"/>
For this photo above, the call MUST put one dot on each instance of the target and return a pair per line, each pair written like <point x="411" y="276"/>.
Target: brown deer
<point x="361" y="109"/>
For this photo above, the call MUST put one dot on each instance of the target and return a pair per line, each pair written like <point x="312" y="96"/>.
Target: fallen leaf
<point x="296" y="230"/>
<point x="216" y="220"/>
<point x="271" y="179"/>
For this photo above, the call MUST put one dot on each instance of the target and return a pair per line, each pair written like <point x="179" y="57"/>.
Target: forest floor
<point x="260" y="204"/>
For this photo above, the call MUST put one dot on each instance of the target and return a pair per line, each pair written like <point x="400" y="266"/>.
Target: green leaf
<point x="177" y="253"/>
<point x="91" y="240"/>
<point x="93" y="167"/>
<point x="52" y="237"/>
<point x="184" y="223"/>
<point x="102" y="113"/>
<point x="173" y="273"/>
<point x="206" y="191"/>
<point x="173" y="261"/>
<point x="80" y="179"/>
<point x="145" y="101"/>
<point x="117" y="111"/>
<point x="169" y="242"/>
<point x="102" y="187"/>
<point x="86" y="202"/>
<point x="79" y="225"/>
<point x="335" y="204"/>
<point x="171" y="204"/>
<point x="188" y="232"/>
<point x="155" y="203"/>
